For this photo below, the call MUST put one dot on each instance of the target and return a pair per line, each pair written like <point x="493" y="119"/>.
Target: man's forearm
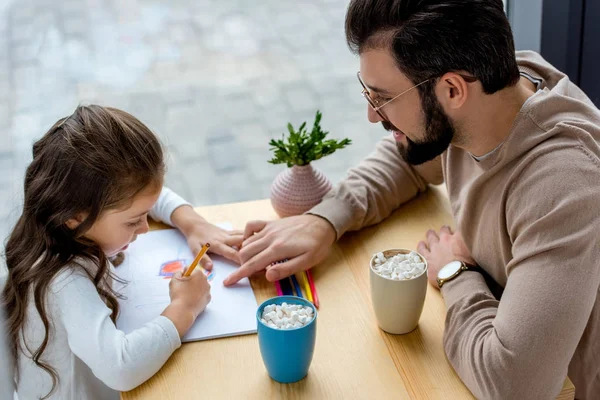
<point x="374" y="189"/>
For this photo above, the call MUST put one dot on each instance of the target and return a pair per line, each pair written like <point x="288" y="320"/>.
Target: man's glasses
<point x="376" y="104"/>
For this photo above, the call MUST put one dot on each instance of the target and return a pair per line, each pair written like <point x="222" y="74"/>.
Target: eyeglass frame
<point x="367" y="94"/>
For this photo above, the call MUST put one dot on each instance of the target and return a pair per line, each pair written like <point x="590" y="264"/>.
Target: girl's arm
<point x="175" y="211"/>
<point x="165" y="206"/>
<point x="6" y="373"/>
<point x="121" y="361"/>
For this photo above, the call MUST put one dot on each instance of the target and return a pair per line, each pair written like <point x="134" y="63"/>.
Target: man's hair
<point x="429" y="38"/>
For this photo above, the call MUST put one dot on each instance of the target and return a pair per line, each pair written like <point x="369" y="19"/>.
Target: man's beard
<point x="438" y="134"/>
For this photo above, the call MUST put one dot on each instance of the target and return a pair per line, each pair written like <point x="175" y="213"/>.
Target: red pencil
<point x="278" y="287"/>
<point x="313" y="289"/>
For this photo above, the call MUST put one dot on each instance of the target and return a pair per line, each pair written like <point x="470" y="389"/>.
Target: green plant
<point x="302" y="147"/>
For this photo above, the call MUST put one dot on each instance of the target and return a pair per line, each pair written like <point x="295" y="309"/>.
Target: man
<point x="517" y="145"/>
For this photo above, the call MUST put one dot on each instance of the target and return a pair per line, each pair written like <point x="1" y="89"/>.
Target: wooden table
<point x="353" y="358"/>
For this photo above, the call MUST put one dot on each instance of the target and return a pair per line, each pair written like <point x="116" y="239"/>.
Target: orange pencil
<point x="201" y="254"/>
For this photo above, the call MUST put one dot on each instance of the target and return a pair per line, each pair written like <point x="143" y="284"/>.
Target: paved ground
<point x="216" y="79"/>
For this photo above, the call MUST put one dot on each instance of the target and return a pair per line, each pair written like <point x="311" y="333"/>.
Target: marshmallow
<point x="400" y="266"/>
<point x="269" y="308"/>
<point x="269" y="316"/>
<point x="286" y="316"/>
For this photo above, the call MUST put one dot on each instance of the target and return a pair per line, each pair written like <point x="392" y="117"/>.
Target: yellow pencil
<point x="306" y="286"/>
<point x="201" y="254"/>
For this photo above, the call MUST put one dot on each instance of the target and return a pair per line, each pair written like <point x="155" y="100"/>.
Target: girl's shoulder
<point x="78" y="272"/>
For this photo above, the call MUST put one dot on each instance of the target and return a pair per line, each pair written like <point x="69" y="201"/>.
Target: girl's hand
<point x="222" y="242"/>
<point x="198" y="231"/>
<point x="189" y="297"/>
<point x="192" y="292"/>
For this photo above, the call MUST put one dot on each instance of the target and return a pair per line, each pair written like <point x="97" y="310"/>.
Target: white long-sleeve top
<point x="6" y="384"/>
<point x="93" y="359"/>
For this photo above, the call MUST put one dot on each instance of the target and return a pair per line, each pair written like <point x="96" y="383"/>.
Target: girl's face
<point x="115" y="229"/>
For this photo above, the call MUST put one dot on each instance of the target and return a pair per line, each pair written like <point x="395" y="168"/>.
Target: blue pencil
<point x="296" y="285"/>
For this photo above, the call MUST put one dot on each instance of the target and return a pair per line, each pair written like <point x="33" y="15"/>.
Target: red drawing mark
<point x="169" y="268"/>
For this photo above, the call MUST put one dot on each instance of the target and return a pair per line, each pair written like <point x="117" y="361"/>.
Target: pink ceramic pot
<point x="298" y="189"/>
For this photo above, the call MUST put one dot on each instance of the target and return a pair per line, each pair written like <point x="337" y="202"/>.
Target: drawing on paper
<point x="149" y="266"/>
<point x="170" y="268"/>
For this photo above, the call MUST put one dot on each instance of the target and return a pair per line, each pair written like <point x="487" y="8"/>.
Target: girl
<point x="95" y="177"/>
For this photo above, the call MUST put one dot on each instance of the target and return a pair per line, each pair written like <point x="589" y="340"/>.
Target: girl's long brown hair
<point x="94" y="160"/>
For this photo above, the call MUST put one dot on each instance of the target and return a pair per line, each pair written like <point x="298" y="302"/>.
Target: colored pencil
<point x="277" y="283"/>
<point x="306" y="287"/>
<point x="296" y="286"/>
<point x="286" y="287"/>
<point x="194" y="263"/>
<point x="311" y="282"/>
<point x="278" y="287"/>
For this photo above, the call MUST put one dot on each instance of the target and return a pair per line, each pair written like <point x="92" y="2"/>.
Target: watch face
<point x="449" y="269"/>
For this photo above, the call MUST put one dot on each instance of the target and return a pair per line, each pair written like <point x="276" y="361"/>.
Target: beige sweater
<point x="530" y="213"/>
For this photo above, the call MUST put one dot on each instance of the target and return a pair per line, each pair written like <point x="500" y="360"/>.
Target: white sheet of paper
<point x="232" y="310"/>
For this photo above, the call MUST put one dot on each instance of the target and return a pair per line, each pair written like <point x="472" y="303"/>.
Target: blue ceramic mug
<point x="287" y="353"/>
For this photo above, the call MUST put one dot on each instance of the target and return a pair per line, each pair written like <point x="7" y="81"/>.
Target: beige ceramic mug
<point x="398" y="304"/>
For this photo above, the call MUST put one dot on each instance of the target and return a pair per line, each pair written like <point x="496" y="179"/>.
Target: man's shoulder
<point x="562" y="170"/>
<point x="563" y="110"/>
<point x="557" y="188"/>
<point x="566" y="138"/>
<point x="525" y="57"/>
<point x="557" y="132"/>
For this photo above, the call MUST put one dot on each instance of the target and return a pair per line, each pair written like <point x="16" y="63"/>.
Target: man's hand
<point x="303" y="241"/>
<point x="441" y="249"/>
<point x="198" y="231"/>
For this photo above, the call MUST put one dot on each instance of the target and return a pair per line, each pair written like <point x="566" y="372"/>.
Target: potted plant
<point x="300" y="187"/>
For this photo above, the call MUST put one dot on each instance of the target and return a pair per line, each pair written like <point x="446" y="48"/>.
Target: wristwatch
<point x="452" y="270"/>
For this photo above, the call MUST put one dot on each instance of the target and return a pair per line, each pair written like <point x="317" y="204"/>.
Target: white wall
<point x="526" y="21"/>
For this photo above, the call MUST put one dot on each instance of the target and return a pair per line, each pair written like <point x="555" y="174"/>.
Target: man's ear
<point x="452" y="91"/>
<point x="73" y="223"/>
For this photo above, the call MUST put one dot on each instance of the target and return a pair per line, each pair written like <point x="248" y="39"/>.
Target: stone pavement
<point x="215" y="79"/>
